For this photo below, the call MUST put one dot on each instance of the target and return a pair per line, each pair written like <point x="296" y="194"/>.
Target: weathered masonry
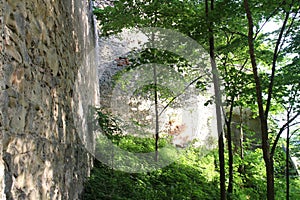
<point x="47" y="84"/>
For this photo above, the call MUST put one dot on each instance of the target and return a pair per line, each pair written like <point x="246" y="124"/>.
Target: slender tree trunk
<point x="222" y="167"/>
<point x="241" y="167"/>
<point x="287" y="173"/>
<point x="155" y="107"/>
<point x="218" y="101"/>
<point x="230" y="161"/>
<point x="263" y="119"/>
<point x="230" y="151"/>
<point x="155" y="91"/>
<point x="156" y="112"/>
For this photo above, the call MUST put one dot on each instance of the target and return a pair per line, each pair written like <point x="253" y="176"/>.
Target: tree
<point x="153" y="14"/>
<point x="232" y="62"/>
<point x="224" y="35"/>
<point x="287" y="92"/>
<point x="209" y="9"/>
<point x="264" y="106"/>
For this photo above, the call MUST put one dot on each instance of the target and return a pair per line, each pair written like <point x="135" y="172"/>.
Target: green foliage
<point x="295" y="144"/>
<point x="180" y="15"/>
<point x="176" y="181"/>
<point x="195" y="176"/>
<point x="188" y="178"/>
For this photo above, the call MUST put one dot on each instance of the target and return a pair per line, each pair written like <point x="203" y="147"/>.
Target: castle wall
<point x="47" y="75"/>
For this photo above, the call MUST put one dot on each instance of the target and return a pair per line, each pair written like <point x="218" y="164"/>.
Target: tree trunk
<point x="241" y="167"/>
<point x="230" y="151"/>
<point x="156" y="112"/>
<point x="155" y="91"/>
<point x="263" y="119"/>
<point x="287" y="169"/>
<point x="222" y="167"/>
<point x="217" y="101"/>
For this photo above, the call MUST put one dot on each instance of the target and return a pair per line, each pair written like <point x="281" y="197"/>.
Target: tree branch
<point x="295" y="131"/>
<point x="280" y="132"/>
<point x="268" y="18"/>
<point x="275" y="57"/>
<point x="191" y="83"/>
<point x="233" y="32"/>
<point x="289" y="28"/>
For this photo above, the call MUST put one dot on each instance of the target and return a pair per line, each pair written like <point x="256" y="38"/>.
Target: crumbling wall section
<point x="47" y="60"/>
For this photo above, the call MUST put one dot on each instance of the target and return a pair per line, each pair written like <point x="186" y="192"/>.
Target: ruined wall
<point x="46" y="88"/>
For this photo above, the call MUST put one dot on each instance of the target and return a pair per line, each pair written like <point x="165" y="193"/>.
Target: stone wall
<point x="187" y="120"/>
<point x="47" y="85"/>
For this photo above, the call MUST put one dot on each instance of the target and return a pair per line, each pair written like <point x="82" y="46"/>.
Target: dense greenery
<point x="260" y="71"/>
<point x="188" y="178"/>
<point x="193" y="176"/>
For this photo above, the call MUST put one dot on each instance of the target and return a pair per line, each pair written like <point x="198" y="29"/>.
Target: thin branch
<point x="233" y="32"/>
<point x="191" y="83"/>
<point x="268" y="18"/>
<point x="275" y="56"/>
<point x="288" y="30"/>
<point x="237" y="94"/>
<point x="294" y="124"/>
<point x="295" y="131"/>
<point x="280" y="132"/>
<point x="293" y="98"/>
